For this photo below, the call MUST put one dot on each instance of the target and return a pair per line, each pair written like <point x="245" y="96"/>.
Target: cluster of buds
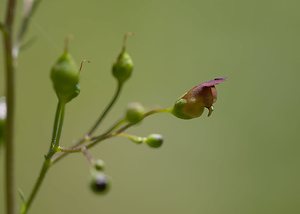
<point x="99" y="182"/>
<point x="65" y="78"/>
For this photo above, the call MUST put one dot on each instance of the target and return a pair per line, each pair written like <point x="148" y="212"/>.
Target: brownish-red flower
<point x="192" y="103"/>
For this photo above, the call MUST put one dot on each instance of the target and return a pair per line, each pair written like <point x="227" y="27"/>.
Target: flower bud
<point x="123" y="66"/>
<point x="192" y="103"/>
<point x="3" y="112"/>
<point x="99" y="165"/>
<point x="154" y="140"/>
<point x="135" y="113"/>
<point x="99" y="183"/>
<point x="65" y="77"/>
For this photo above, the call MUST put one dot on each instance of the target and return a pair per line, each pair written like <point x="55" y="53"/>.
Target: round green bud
<point x="99" y="165"/>
<point x="135" y="112"/>
<point x="123" y="67"/>
<point x="99" y="183"/>
<point x="3" y="112"/>
<point x="154" y="140"/>
<point x="192" y="103"/>
<point x="65" y="78"/>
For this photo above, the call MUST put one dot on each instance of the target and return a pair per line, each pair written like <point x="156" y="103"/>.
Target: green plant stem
<point x="88" y="156"/>
<point x="87" y="137"/>
<point x="1" y="26"/>
<point x="134" y="138"/>
<point x="57" y="130"/>
<point x="10" y="54"/>
<point x="7" y="30"/>
<point x="103" y="136"/>
<point x="60" y="122"/>
<point x="108" y="134"/>
<point x="56" y="122"/>
<point x="167" y="110"/>
<point x="31" y="8"/>
<point x="37" y="185"/>
<point x="107" y="109"/>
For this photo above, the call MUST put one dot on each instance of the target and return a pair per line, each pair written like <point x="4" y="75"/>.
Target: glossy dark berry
<point x="99" y="183"/>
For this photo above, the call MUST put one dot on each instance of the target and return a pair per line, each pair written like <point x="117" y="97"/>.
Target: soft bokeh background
<point x="244" y="159"/>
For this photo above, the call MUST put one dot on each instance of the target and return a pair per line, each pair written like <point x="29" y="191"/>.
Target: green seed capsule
<point x="3" y="111"/>
<point x="123" y="66"/>
<point x="135" y="112"/>
<point x="154" y="140"/>
<point x="192" y="103"/>
<point x="99" y="183"/>
<point x="65" y="77"/>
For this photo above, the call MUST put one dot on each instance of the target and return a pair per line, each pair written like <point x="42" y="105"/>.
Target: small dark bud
<point x="99" y="183"/>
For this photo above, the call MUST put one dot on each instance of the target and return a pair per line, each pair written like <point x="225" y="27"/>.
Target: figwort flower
<point x="192" y="103"/>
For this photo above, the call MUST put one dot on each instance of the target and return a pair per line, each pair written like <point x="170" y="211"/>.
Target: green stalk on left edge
<point x="57" y="130"/>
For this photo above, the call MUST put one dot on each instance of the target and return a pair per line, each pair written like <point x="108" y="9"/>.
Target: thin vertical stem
<point x="107" y="109"/>
<point x="57" y="130"/>
<point x="37" y="185"/>
<point x="60" y="126"/>
<point x="10" y="99"/>
<point x="56" y="123"/>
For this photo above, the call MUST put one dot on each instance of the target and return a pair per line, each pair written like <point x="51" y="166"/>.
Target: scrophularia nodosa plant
<point x="65" y="75"/>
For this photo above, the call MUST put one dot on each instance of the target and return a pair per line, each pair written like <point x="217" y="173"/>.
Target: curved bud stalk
<point x="121" y="70"/>
<point x="152" y="140"/>
<point x="192" y="103"/>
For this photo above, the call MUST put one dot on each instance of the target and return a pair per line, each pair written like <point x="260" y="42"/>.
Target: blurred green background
<point x="244" y="159"/>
